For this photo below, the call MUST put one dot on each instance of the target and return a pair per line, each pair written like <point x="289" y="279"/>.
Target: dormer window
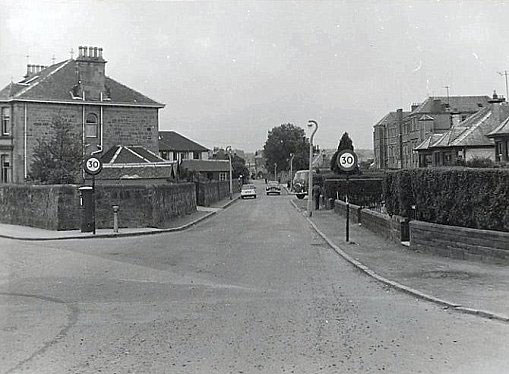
<point x="91" y="126"/>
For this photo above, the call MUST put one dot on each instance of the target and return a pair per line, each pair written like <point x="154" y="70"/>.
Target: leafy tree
<point x="238" y="163"/>
<point x="281" y="142"/>
<point x="344" y="143"/>
<point x="57" y="160"/>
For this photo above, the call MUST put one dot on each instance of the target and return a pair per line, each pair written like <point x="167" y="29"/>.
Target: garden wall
<point x="208" y="193"/>
<point x="460" y="242"/>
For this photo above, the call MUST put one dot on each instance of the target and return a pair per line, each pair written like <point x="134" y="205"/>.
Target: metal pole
<point x="347" y="210"/>
<point x="93" y="198"/>
<point x="291" y="171"/>
<point x="275" y="171"/>
<point x="229" y="150"/>
<point x="310" y="176"/>
<point x="506" y="89"/>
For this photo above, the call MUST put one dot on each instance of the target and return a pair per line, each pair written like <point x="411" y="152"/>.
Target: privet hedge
<point x="476" y="198"/>
<point x="362" y="192"/>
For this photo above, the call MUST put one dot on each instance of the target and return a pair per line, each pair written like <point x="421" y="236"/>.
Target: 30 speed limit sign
<point x="93" y="165"/>
<point x="347" y="160"/>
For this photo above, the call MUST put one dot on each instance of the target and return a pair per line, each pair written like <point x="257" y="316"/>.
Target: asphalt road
<point x="251" y="290"/>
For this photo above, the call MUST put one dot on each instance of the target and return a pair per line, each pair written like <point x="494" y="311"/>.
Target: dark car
<point x="273" y="187"/>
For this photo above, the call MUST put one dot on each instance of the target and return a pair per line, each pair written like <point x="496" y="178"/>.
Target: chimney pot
<point x="90" y="51"/>
<point x="95" y="52"/>
<point x="100" y="52"/>
<point x="85" y="52"/>
<point x="80" y="53"/>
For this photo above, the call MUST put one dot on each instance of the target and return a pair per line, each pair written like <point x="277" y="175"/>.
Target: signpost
<point x="93" y="166"/>
<point x="347" y="161"/>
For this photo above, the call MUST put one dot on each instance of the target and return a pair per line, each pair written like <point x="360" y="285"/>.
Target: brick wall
<point x="355" y="210"/>
<point x="47" y="207"/>
<point x="460" y="242"/>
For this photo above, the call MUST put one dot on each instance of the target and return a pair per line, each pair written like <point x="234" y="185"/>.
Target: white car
<point x="248" y="190"/>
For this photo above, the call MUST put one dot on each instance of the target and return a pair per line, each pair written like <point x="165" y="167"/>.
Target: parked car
<point x="248" y="190"/>
<point x="273" y="187"/>
<point x="301" y="181"/>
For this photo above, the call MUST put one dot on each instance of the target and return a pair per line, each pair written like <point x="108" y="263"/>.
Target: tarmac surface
<point x="252" y="289"/>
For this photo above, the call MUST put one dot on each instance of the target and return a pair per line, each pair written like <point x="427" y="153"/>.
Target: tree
<point x="57" y="160"/>
<point x="281" y="142"/>
<point x="344" y="143"/>
<point x="238" y="163"/>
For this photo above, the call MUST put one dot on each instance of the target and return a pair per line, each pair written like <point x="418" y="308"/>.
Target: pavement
<point x="181" y="223"/>
<point x="466" y="286"/>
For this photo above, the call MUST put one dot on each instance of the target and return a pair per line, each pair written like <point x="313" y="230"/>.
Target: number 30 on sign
<point x="346" y="160"/>
<point x="93" y="165"/>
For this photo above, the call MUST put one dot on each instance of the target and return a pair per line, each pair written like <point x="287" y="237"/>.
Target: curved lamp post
<point x="229" y="152"/>
<point x="311" y="123"/>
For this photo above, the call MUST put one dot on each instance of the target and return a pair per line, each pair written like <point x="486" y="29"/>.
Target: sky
<point x="229" y="71"/>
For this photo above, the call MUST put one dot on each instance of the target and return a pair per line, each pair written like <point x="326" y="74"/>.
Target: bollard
<point x="115" y="218"/>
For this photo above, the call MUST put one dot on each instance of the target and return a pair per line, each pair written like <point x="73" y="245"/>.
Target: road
<point x="251" y="290"/>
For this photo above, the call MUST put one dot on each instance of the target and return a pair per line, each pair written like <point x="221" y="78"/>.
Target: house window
<point x="175" y="156"/>
<point x="223" y="176"/>
<point x="91" y="126"/>
<point x="196" y="155"/>
<point x="5" y="169"/>
<point x="165" y="155"/>
<point x="183" y="156"/>
<point x="6" y="121"/>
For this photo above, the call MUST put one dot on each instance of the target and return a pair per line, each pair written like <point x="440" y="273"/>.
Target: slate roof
<point x="173" y="141"/>
<point x="502" y="129"/>
<point x="474" y="130"/>
<point x="135" y="162"/>
<point x="55" y="82"/>
<point x="456" y="103"/>
<point x="121" y="154"/>
<point x="205" y="165"/>
<point x="390" y="118"/>
<point x="426" y="144"/>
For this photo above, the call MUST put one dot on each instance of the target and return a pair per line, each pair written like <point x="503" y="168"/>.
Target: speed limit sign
<point x="93" y="165"/>
<point x="346" y="160"/>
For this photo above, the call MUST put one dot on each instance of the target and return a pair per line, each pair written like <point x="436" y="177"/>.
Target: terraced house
<point x="104" y="112"/>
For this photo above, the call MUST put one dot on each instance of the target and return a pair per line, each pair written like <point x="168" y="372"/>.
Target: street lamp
<point x="229" y="152"/>
<point x="275" y="171"/>
<point x="291" y="171"/>
<point x="310" y="176"/>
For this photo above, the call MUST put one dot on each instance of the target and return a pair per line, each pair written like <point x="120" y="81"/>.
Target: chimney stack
<point x="91" y="67"/>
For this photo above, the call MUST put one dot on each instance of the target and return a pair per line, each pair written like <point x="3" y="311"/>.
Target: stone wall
<point x="208" y="193"/>
<point x="394" y="228"/>
<point x="58" y="207"/>
<point x="144" y="206"/>
<point x="460" y="242"/>
<point x="355" y="210"/>
<point x="47" y="207"/>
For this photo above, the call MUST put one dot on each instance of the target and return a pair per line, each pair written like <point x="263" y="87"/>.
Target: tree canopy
<point x="281" y="142"/>
<point x="344" y="143"/>
<point x="57" y="160"/>
<point x="238" y="163"/>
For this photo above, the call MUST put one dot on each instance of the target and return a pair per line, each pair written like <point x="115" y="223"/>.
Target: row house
<point x="467" y="139"/>
<point x="103" y="112"/>
<point x="398" y="134"/>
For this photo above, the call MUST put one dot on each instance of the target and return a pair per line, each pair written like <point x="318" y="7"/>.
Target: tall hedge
<point x="362" y="192"/>
<point x="476" y="198"/>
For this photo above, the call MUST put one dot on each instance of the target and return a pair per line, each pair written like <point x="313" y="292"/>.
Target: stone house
<point x="397" y="135"/>
<point x="465" y="140"/>
<point x="104" y="112"/>
<point x="176" y="147"/>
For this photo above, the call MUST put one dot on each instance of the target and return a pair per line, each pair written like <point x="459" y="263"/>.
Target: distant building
<point x="176" y="147"/>
<point x="467" y="139"/>
<point x="104" y="112"/>
<point x="397" y="135"/>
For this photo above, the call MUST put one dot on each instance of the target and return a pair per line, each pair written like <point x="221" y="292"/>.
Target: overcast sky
<point x="230" y="71"/>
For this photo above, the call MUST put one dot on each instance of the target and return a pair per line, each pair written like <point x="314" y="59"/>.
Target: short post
<point x="115" y="218"/>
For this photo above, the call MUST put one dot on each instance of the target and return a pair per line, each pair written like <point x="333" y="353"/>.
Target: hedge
<point x="362" y="192"/>
<point x="475" y="198"/>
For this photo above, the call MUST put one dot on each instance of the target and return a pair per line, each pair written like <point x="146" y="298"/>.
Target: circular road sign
<point x="347" y="160"/>
<point x="93" y="165"/>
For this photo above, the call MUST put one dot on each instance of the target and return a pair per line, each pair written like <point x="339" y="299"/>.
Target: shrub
<point x="476" y="198"/>
<point x="480" y="162"/>
<point x="362" y="192"/>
